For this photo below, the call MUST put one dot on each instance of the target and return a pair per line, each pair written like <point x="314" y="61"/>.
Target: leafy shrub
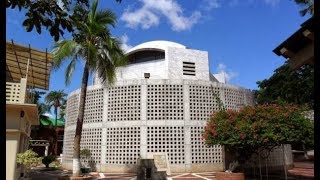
<point x="255" y="128"/>
<point x="48" y="159"/>
<point x="85" y="153"/>
<point x="28" y="159"/>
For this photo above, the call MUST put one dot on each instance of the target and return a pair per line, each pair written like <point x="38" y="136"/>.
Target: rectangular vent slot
<point x="189" y="68"/>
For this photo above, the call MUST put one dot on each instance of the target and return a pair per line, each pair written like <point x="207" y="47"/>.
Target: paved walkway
<point x="301" y="170"/>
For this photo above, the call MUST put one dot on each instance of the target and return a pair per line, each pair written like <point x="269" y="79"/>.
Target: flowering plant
<point x="253" y="129"/>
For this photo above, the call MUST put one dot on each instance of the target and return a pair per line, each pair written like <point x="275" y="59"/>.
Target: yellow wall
<point x="15" y="140"/>
<point x="13" y="119"/>
<point x="12" y="148"/>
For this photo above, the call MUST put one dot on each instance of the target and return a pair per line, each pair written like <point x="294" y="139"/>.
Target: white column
<point x="187" y="128"/>
<point x="46" y="150"/>
<point x="143" y="127"/>
<point x="104" y="128"/>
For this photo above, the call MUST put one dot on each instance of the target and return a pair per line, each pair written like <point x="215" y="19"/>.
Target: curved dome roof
<point x="152" y="45"/>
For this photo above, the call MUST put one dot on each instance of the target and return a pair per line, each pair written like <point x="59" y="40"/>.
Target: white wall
<point x="176" y="57"/>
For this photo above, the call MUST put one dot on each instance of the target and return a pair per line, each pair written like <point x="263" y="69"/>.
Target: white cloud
<point x="225" y="74"/>
<point x="149" y="14"/>
<point x="125" y="46"/>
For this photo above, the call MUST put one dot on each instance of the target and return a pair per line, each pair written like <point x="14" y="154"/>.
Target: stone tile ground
<point x="301" y="171"/>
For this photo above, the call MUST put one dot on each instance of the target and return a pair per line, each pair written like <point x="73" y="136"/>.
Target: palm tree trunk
<point x="56" y="112"/>
<point x="77" y="138"/>
<point x="55" y="131"/>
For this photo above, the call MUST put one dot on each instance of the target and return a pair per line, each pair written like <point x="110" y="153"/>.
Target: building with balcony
<point x="160" y="103"/>
<point x="26" y="69"/>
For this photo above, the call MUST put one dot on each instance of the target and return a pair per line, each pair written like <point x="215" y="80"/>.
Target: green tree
<point x="55" y="99"/>
<point x="100" y="53"/>
<point x="306" y="5"/>
<point x="287" y="85"/>
<point x="54" y="15"/>
<point x="255" y="129"/>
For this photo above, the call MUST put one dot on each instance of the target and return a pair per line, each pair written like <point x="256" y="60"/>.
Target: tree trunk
<point x="56" y="112"/>
<point x="77" y="138"/>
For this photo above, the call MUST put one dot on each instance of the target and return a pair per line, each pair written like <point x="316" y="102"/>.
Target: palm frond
<point x="93" y="10"/>
<point x="63" y="50"/>
<point x="106" y="18"/>
<point x="70" y="70"/>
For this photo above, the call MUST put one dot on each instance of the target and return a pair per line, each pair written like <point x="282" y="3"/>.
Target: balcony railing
<point x="18" y="92"/>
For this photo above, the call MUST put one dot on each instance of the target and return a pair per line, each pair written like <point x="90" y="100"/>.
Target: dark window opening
<point x="144" y="56"/>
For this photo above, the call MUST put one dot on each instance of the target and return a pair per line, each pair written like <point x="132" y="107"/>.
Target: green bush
<point x="48" y="159"/>
<point x="255" y="128"/>
<point x="28" y="159"/>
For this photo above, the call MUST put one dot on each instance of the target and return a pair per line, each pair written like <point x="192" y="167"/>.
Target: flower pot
<point x="229" y="176"/>
<point x="85" y="170"/>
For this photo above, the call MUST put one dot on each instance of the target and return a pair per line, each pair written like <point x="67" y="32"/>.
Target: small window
<point x="189" y="68"/>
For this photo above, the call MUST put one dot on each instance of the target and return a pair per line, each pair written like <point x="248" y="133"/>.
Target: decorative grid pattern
<point x="124" y="103"/>
<point x="94" y="106"/>
<point x="13" y="92"/>
<point x="72" y="110"/>
<point x="123" y="145"/>
<point x="165" y="102"/>
<point x="68" y="145"/>
<point x="200" y="152"/>
<point x="169" y="140"/>
<point x="91" y="139"/>
<point x="202" y="101"/>
<point x="275" y="157"/>
<point x="234" y="99"/>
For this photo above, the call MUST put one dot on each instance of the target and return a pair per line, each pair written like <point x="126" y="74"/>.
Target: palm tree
<point x="100" y="53"/>
<point x="55" y="99"/>
<point x="62" y="110"/>
<point x="308" y="6"/>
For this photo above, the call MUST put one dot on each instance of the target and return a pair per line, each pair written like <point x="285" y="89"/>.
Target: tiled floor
<point x="305" y="169"/>
<point x="301" y="170"/>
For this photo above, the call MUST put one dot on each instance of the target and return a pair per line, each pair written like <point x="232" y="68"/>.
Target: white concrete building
<point x="160" y="103"/>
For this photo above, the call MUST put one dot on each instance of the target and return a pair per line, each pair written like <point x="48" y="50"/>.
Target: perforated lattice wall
<point x="164" y="110"/>
<point x="165" y="102"/>
<point x="200" y="152"/>
<point x="68" y="140"/>
<point x="234" y="98"/>
<point x="168" y="139"/>
<point x="91" y="139"/>
<point x="124" y="103"/>
<point x="72" y="110"/>
<point x="94" y="106"/>
<point x="203" y="101"/>
<point x="123" y="145"/>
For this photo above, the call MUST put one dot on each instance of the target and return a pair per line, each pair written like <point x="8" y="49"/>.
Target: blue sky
<point x="238" y="34"/>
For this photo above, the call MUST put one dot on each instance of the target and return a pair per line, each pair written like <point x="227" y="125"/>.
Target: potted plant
<point x="47" y="160"/>
<point x="85" y="154"/>
<point x="28" y="159"/>
<point x="255" y="129"/>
